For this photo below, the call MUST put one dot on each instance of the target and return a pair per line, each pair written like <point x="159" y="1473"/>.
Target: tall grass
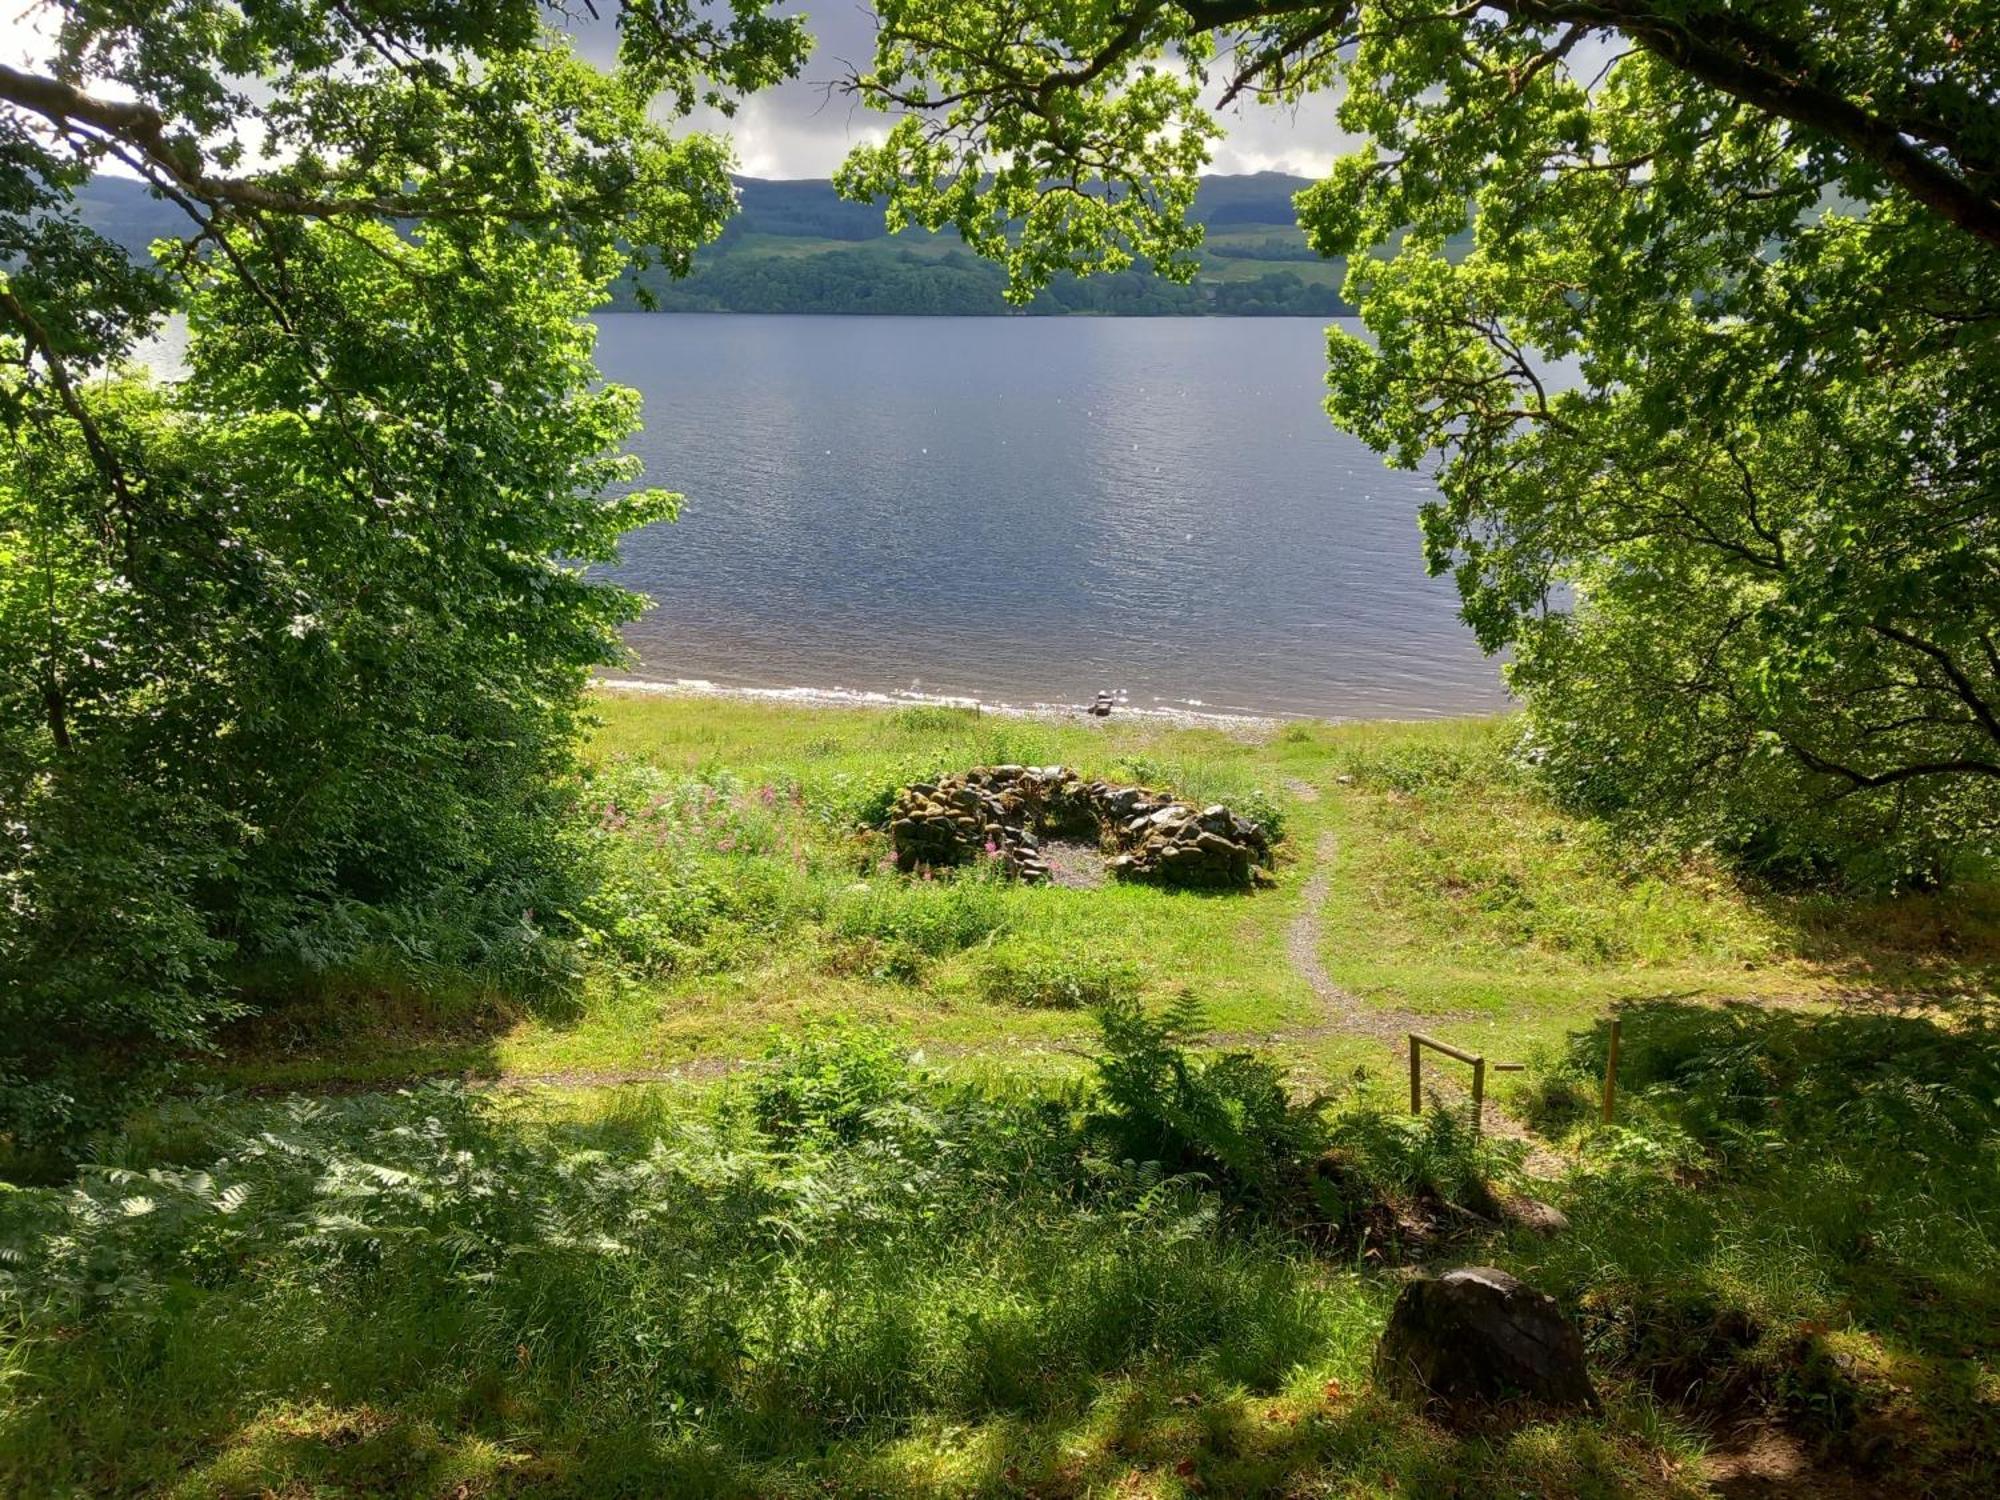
<point x="1800" y="1214"/>
<point x="838" y="1273"/>
<point x="661" y="1292"/>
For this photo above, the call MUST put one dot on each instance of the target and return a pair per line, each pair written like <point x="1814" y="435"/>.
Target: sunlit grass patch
<point x="747" y="888"/>
<point x="1461" y="890"/>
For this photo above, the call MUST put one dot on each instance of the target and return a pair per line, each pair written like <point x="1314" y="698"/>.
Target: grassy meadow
<point x="806" y="1177"/>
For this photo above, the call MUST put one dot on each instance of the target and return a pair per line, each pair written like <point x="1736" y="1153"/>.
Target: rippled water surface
<point x="1030" y="509"/>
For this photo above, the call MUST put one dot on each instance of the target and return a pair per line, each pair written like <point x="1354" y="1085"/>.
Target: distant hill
<point x="796" y="247"/>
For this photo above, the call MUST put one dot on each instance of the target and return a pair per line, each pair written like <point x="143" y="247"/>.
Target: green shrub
<point x="1376" y="1155"/>
<point x="827" y="1082"/>
<point x="268" y="708"/>
<point x="1226" y="1118"/>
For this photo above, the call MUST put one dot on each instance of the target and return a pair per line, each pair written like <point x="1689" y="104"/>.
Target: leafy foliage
<point x="829" y="1082"/>
<point x="1710" y="398"/>
<point x="1227" y="1118"/>
<point x="292" y="649"/>
<point x="1230" y="1121"/>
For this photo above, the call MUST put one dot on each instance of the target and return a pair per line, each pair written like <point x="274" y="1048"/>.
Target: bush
<point x="1376" y="1156"/>
<point x="274" y="704"/>
<point x="827" y="1082"/>
<point x="1226" y="1118"/>
<point x="1230" y="1119"/>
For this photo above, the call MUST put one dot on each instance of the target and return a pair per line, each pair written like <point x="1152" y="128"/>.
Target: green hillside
<point x="796" y="247"/>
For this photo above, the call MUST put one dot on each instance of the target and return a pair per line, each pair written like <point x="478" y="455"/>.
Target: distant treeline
<point x="957" y="283"/>
<point x="810" y="209"/>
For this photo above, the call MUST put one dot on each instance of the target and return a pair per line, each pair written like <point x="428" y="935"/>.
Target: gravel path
<point x="1346" y="1014"/>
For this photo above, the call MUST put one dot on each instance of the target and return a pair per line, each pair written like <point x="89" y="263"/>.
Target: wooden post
<point x="1478" y="1093"/>
<point x="1416" y="1075"/>
<point x="1611" y="1073"/>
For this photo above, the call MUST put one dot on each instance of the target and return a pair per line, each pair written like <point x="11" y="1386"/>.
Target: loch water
<point x="1030" y="509"/>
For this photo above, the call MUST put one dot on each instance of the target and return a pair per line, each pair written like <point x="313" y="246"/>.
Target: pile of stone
<point x="990" y="812"/>
<point x="1175" y="844"/>
<point x="1003" y="813"/>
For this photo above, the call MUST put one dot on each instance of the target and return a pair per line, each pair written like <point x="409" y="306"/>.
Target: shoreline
<point x="858" y="698"/>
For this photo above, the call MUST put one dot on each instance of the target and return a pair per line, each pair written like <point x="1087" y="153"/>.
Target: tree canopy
<point x="292" y="649"/>
<point x="1711" y="403"/>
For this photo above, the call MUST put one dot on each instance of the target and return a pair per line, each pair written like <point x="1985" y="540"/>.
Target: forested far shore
<point x="797" y="247"/>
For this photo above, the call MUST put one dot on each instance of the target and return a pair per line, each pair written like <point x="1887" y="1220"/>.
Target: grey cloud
<point x="804" y="128"/>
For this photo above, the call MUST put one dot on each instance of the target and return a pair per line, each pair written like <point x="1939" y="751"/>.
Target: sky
<point x="804" y="128"/>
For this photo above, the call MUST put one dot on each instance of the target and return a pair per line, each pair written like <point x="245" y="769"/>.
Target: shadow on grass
<point x="1158" y="1432"/>
<point x="364" y="1028"/>
<point x="448" y="1294"/>
<point x="1798" y="1218"/>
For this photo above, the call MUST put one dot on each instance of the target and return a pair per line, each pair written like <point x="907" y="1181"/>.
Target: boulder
<point x="1531" y="1213"/>
<point x="1475" y="1337"/>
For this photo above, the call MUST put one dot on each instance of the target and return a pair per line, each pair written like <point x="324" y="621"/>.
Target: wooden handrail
<point x="1418" y="1041"/>
<point x="1446" y="1048"/>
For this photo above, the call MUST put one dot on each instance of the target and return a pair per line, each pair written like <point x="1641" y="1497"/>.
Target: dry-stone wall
<point x="1004" y="813"/>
